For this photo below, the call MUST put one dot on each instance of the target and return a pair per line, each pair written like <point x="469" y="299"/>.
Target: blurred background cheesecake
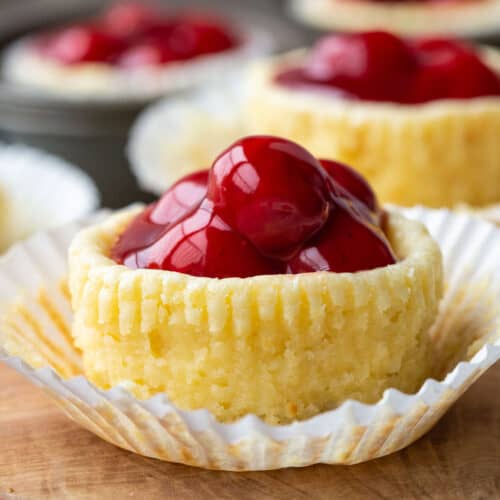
<point x="54" y="107"/>
<point x="49" y="110"/>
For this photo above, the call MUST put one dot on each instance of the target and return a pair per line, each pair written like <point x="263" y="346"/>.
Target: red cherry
<point x="204" y="245"/>
<point x="80" y="44"/>
<point x="437" y="48"/>
<point x="177" y="202"/>
<point x="352" y="181"/>
<point x="371" y="65"/>
<point x="181" y="198"/>
<point x="270" y="190"/>
<point x="194" y="36"/>
<point x="147" y="53"/>
<point x="347" y="243"/>
<point x="129" y="19"/>
<point x="451" y="70"/>
<point x="140" y="233"/>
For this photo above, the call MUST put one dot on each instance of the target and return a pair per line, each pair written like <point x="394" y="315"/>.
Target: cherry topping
<point x="194" y="36"/>
<point x="177" y="202"/>
<point x="265" y="207"/>
<point x="147" y="53"/>
<point x="347" y="244"/>
<point x="204" y="245"/>
<point x="185" y="195"/>
<point x="80" y="44"/>
<point x="451" y="70"/>
<point x="133" y="35"/>
<point x="270" y="190"/>
<point x="378" y="66"/>
<point x="352" y="181"/>
<point x="372" y="65"/>
<point x="140" y="233"/>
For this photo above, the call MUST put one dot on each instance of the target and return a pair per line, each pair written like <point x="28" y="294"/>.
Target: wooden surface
<point x="45" y="455"/>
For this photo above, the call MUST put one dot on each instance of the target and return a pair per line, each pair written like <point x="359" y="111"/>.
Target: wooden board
<point x="45" y="455"/>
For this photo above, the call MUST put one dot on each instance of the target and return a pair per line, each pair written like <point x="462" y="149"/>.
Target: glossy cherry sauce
<point x="266" y="206"/>
<point x="133" y="35"/>
<point x="379" y="66"/>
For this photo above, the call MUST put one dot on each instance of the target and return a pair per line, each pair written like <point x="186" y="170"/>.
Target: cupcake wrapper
<point x="467" y="327"/>
<point x="490" y="213"/>
<point x="40" y="191"/>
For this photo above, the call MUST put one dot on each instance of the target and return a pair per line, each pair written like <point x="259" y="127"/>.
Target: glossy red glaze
<point x="147" y="53"/>
<point x="140" y="233"/>
<point x="133" y="35"/>
<point x="185" y="195"/>
<point x="202" y="244"/>
<point x="378" y="66"/>
<point x="451" y="70"/>
<point x="81" y="43"/>
<point x="352" y="181"/>
<point x="373" y="65"/>
<point x="348" y="243"/>
<point x="270" y="190"/>
<point x="193" y="36"/>
<point x="269" y="208"/>
<point x="177" y="202"/>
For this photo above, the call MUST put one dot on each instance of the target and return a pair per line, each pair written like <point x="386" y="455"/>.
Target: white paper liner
<point x="352" y="433"/>
<point x="467" y="19"/>
<point x="39" y="191"/>
<point x="490" y="213"/>
<point x="100" y="82"/>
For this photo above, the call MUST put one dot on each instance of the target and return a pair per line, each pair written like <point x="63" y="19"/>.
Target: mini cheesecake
<point x="271" y="284"/>
<point x="420" y="119"/>
<point x="406" y="17"/>
<point x="131" y="50"/>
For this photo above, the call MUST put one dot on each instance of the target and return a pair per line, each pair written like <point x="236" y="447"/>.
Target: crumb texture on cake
<point x="437" y="154"/>
<point x="283" y="347"/>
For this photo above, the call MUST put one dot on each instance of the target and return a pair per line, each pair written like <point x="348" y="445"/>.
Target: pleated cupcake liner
<point x="39" y="191"/>
<point x="98" y="82"/>
<point x="35" y="339"/>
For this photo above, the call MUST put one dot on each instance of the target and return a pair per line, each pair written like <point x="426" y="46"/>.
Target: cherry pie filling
<point x="132" y="35"/>
<point x="379" y="66"/>
<point x="266" y="206"/>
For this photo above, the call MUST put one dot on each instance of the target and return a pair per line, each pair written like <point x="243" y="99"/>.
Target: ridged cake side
<point x="438" y="154"/>
<point x="283" y="347"/>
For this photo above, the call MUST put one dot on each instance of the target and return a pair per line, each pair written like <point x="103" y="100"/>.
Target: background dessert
<point x="39" y="191"/>
<point x="415" y="136"/>
<point x="407" y="17"/>
<point x="89" y="132"/>
<point x="132" y="51"/>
